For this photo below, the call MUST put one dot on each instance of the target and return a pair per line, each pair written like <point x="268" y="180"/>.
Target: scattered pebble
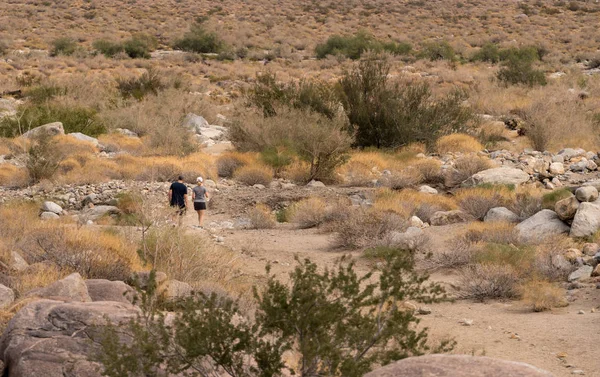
<point x="578" y="372"/>
<point x="466" y="322"/>
<point x="581" y="312"/>
<point x="424" y="310"/>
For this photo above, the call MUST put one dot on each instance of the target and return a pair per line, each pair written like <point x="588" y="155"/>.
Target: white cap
<point x="199" y="179"/>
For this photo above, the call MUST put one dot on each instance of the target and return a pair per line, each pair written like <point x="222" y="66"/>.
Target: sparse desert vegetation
<point x="350" y="151"/>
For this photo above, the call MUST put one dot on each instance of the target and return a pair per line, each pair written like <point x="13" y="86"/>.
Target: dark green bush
<point x="107" y="48"/>
<point x="63" y="46"/>
<point x="339" y="322"/>
<point x="521" y="71"/>
<point x="73" y="118"/>
<point x="42" y="93"/>
<point x="138" y="87"/>
<point x="199" y="40"/>
<point x="489" y="52"/>
<point x="388" y="115"/>
<point x="437" y="50"/>
<point x="353" y="46"/>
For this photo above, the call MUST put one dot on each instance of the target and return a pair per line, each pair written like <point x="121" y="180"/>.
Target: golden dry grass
<point x="13" y="176"/>
<point x="496" y="232"/>
<point x="458" y="143"/>
<point x="308" y="213"/>
<point x="227" y="163"/>
<point x="543" y="295"/>
<point x="261" y="217"/>
<point x="116" y="142"/>
<point x="407" y="203"/>
<point x="477" y="201"/>
<point x="254" y="174"/>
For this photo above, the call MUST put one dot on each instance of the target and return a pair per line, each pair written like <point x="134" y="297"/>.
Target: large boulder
<point x="582" y="273"/>
<point x="587" y="220"/>
<point x="567" y="208"/>
<point x="50" y="129"/>
<point x="97" y="212"/>
<point x="411" y="240"/>
<point x="498" y="176"/>
<point x="569" y="153"/>
<point x="70" y="288"/>
<point x="449" y="217"/>
<point x="501" y="214"/>
<point x="586" y="194"/>
<point x="195" y="123"/>
<point x="455" y="366"/>
<point x="83" y="137"/>
<point x="52" y="207"/>
<point x="595" y="184"/>
<point x="7" y="296"/>
<point x="106" y="290"/>
<point x="174" y="289"/>
<point x="540" y="226"/>
<point x="52" y="338"/>
<point x="557" y="168"/>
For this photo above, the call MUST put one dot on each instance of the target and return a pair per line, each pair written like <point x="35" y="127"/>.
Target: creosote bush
<point x="261" y="217"/>
<point x="542" y="295"/>
<point x="337" y="321"/>
<point x="308" y="213"/>
<point x="199" y="40"/>
<point x="356" y="45"/>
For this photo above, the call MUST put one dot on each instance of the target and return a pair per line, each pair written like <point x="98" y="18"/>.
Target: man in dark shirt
<point x="178" y="197"/>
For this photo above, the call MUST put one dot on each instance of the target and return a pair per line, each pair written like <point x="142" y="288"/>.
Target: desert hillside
<point x="269" y="188"/>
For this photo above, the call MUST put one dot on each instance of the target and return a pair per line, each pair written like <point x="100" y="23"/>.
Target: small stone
<point x="586" y="194"/>
<point x="581" y="312"/>
<point x="416" y="222"/>
<point x="220" y="239"/>
<point x="590" y="249"/>
<point x="557" y="168"/>
<point x="259" y="186"/>
<point x="52" y="207"/>
<point x="428" y="190"/>
<point x="581" y="273"/>
<point x="314" y="183"/>
<point x="466" y="322"/>
<point x="424" y="310"/>
<point x="49" y="216"/>
<point x="578" y="372"/>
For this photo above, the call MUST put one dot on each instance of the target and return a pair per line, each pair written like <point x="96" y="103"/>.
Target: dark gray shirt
<point x="199" y="194"/>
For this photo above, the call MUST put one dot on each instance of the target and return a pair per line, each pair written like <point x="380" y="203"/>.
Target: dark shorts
<point x="199" y="206"/>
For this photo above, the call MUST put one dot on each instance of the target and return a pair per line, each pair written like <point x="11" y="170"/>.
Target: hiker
<point x="178" y="198"/>
<point x="200" y="196"/>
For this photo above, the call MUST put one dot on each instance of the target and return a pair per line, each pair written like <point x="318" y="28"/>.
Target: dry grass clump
<point x="229" y="162"/>
<point x="116" y="142"/>
<point x="261" y="217"/>
<point x="364" y="167"/>
<point x="37" y="275"/>
<point x="308" y="213"/>
<point x="430" y="169"/>
<point x="549" y="262"/>
<point x="488" y="281"/>
<point x="366" y="227"/>
<point x="297" y="172"/>
<point x="477" y="201"/>
<point x="526" y="201"/>
<point x="407" y="203"/>
<point x="543" y="295"/>
<point x="13" y="176"/>
<point x="458" y="143"/>
<point x="254" y="174"/>
<point x="189" y="258"/>
<point x="495" y="232"/>
<point x="404" y="178"/>
<point x="465" y="167"/>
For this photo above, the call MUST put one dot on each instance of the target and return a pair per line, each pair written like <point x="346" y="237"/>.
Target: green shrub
<point x="390" y="115"/>
<point x="42" y="93"/>
<point x="43" y="159"/>
<point x="107" y="48"/>
<point x="277" y="158"/>
<point x="198" y="40"/>
<point x="489" y="52"/>
<point x="63" y="46"/>
<point x="331" y="318"/>
<point x="520" y="71"/>
<point x="73" y="118"/>
<point x="437" y="50"/>
<point x="138" y="87"/>
<point x="549" y="200"/>
<point x="353" y="46"/>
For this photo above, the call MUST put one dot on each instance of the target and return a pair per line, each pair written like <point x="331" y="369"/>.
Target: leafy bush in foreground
<point x="340" y="323"/>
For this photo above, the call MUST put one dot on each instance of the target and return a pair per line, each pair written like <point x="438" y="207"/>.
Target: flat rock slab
<point x="498" y="176"/>
<point x="540" y="226"/>
<point x="457" y="366"/>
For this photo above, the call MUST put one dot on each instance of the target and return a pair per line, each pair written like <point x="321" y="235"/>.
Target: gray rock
<point x="97" y="212"/>
<point x="540" y="226"/>
<point x="411" y="240"/>
<point x="587" y="220"/>
<point x="211" y="133"/>
<point x="455" y="366"/>
<point x="414" y="221"/>
<point x="141" y="278"/>
<point x="449" y="217"/>
<point x="566" y="208"/>
<point x="106" y="290"/>
<point x="49" y="216"/>
<point x="498" y="176"/>
<point x="52" y="207"/>
<point x="82" y="137"/>
<point x="126" y="132"/>
<point x="427" y="190"/>
<point x="174" y="289"/>
<point x="50" y="129"/>
<point x="558" y="158"/>
<point x="595" y="183"/>
<point x="580" y="166"/>
<point x="557" y="168"/>
<point x="501" y="214"/>
<point x="195" y="123"/>
<point x="314" y="183"/>
<point x="590" y="249"/>
<point x="569" y="153"/>
<point x="16" y="262"/>
<point x="582" y="273"/>
<point x="72" y="288"/>
<point x="586" y="194"/>
<point x="7" y="297"/>
<point x="52" y="338"/>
